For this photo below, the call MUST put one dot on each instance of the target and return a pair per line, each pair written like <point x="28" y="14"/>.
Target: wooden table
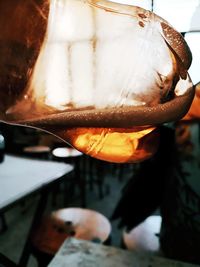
<point x="75" y="253"/>
<point x="20" y="177"/>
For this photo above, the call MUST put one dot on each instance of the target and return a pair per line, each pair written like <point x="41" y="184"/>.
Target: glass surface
<point x="114" y="144"/>
<point x="67" y="65"/>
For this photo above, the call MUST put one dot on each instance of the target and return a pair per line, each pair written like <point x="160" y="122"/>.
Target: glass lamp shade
<point x="100" y="75"/>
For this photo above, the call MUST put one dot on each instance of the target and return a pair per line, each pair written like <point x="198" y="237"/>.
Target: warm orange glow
<point x="194" y="111"/>
<point x="114" y="144"/>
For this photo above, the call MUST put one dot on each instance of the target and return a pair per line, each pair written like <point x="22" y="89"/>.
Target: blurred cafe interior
<point x="99" y="133"/>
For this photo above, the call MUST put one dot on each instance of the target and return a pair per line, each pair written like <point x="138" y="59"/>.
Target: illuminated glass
<point x="98" y="74"/>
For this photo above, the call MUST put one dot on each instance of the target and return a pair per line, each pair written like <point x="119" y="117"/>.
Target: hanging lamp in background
<point x="100" y="75"/>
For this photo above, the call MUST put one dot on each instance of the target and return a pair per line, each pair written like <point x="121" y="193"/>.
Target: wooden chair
<point x="144" y="237"/>
<point x="64" y="223"/>
<point x="38" y="152"/>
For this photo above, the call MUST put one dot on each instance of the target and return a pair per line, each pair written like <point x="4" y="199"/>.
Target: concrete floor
<point x="19" y="217"/>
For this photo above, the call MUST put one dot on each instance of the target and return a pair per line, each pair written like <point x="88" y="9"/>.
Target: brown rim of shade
<point x="177" y="43"/>
<point x="116" y="117"/>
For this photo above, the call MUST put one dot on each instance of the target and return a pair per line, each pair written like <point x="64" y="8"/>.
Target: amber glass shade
<point x="118" y="145"/>
<point x="98" y="74"/>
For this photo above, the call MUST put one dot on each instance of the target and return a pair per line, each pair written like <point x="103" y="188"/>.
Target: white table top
<point x="20" y="177"/>
<point x="75" y="253"/>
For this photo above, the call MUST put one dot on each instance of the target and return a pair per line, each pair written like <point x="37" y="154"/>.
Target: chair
<point x="144" y="237"/>
<point x="37" y="151"/>
<point x="64" y="223"/>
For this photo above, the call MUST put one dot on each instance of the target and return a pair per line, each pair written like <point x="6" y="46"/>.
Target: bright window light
<point x="184" y="15"/>
<point x="193" y="40"/>
<point x="141" y="3"/>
